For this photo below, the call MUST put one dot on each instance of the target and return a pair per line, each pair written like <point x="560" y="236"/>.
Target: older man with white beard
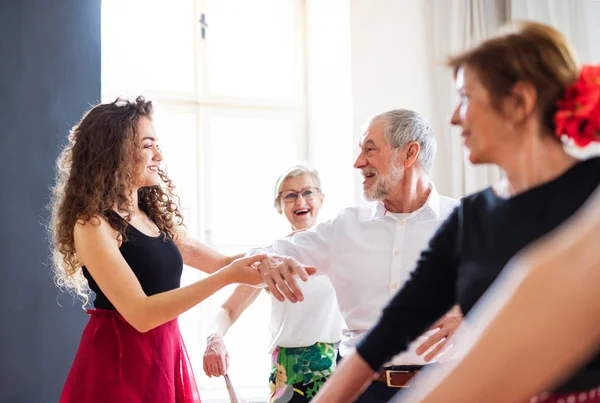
<point x="369" y="251"/>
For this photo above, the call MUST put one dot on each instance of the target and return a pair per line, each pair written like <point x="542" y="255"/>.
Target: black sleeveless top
<point x="155" y="261"/>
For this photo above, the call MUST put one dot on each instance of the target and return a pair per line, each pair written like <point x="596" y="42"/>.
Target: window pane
<point x="148" y="45"/>
<point x="252" y="52"/>
<point x="246" y="153"/>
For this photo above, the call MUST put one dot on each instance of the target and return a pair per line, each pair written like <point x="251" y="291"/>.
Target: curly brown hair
<point x="95" y="173"/>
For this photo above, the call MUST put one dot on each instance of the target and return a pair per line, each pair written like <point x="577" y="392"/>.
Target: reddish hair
<point x="523" y="52"/>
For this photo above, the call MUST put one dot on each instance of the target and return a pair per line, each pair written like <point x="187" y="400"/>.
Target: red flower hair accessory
<point x="578" y="115"/>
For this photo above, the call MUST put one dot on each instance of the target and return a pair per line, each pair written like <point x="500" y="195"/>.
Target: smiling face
<point x="149" y="156"/>
<point x="300" y="200"/>
<point x="377" y="161"/>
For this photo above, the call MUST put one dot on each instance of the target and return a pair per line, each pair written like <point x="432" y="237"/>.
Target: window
<point x="225" y="97"/>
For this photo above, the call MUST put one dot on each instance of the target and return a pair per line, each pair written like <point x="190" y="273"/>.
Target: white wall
<point x="366" y="57"/>
<point x="389" y="63"/>
<point x="592" y="14"/>
<point x="389" y="45"/>
<point x="329" y="96"/>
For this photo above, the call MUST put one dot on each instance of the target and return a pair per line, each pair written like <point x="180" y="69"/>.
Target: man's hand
<point x="278" y="274"/>
<point x="446" y="326"/>
<point x="216" y="357"/>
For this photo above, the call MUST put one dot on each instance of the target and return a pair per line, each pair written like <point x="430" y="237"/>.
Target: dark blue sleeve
<point x="425" y="297"/>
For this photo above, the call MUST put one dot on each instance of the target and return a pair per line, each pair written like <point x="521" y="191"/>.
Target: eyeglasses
<point x="290" y="196"/>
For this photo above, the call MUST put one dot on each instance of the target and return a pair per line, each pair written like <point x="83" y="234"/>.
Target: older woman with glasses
<point x="304" y="336"/>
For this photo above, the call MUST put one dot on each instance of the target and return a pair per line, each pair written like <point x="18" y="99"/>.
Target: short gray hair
<point x="292" y="172"/>
<point x="402" y="127"/>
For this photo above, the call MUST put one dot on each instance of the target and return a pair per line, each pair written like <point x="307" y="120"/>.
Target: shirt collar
<point x="432" y="204"/>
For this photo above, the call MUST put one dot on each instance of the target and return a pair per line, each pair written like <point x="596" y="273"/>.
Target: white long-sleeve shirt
<point x="368" y="254"/>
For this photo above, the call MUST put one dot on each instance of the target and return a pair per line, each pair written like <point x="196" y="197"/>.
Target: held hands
<point x="278" y="274"/>
<point x="243" y="270"/>
<point x="446" y="326"/>
<point x="216" y="358"/>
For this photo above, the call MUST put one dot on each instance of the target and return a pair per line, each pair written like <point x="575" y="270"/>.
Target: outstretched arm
<point x="200" y="256"/>
<point x="97" y="246"/>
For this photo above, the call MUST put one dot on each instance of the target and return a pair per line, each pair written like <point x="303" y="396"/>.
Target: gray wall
<point x="49" y="75"/>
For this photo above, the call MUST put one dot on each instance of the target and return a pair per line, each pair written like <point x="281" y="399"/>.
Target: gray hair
<point x="292" y="172"/>
<point x="402" y="127"/>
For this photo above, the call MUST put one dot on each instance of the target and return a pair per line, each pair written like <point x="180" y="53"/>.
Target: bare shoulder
<point x="94" y="234"/>
<point x="95" y="226"/>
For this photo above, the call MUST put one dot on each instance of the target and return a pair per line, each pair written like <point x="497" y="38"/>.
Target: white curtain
<point x="456" y="26"/>
<point x="579" y="21"/>
<point x="572" y="17"/>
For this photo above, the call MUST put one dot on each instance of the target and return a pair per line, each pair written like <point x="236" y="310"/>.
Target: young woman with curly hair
<point x="117" y="229"/>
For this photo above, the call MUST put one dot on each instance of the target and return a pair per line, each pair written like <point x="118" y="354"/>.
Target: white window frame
<point x="199" y="102"/>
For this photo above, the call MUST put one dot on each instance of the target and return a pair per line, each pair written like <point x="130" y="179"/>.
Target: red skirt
<point x="116" y="363"/>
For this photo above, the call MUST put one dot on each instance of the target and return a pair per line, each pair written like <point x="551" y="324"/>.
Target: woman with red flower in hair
<point x="521" y="92"/>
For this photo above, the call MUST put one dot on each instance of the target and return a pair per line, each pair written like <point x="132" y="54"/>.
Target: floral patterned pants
<point x="298" y="373"/>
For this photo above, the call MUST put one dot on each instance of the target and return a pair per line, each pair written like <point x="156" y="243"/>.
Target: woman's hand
<point x="278" y="274"/>
<point x="244" y="270"/>
<point x="216" y="358"/>
<point x="446" y="327"/>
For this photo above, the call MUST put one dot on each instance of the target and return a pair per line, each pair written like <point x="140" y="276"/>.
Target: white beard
<point x="384" y="183"/>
